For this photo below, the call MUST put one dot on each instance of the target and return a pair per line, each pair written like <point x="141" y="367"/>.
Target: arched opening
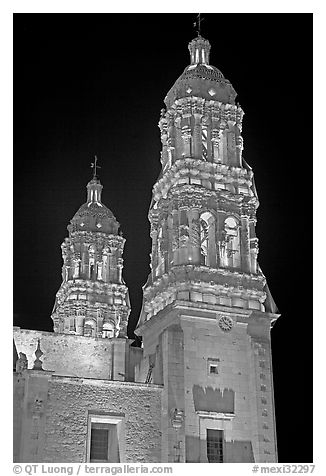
<point x="231" y="244"/>
<point x="89" y="328"/>
<point x="108" y="330"/>
<point x="207" y="223"/>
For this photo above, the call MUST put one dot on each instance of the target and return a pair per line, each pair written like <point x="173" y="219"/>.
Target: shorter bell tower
<point x="93" y="299"/>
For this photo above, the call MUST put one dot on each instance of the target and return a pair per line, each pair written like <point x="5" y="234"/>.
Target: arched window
<point x="206" y="238"/>
<point x="108" y="330"/>
<point x="89" y="329"/>
<point x="231" y="245"/>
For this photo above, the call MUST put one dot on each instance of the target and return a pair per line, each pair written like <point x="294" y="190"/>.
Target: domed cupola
<point x="93" y="299"/>
<point x="200" y="79"/>
<point x="93" y="216"/>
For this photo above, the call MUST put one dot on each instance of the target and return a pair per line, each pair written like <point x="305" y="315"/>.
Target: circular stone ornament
<point x="225" y="323"/>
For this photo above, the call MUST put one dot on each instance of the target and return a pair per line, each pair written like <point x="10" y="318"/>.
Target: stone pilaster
<point x="261" y="387"/>
<point x="173" y="398"/>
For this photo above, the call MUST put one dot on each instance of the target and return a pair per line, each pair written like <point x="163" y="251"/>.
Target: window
<point x="214" y="439"/>
<point x="213" y="369"/>
<point x="213" y="366"/>
<point x="99" y="443"/>
<point x="105" y="438"/>
<point x="104" y="446"/>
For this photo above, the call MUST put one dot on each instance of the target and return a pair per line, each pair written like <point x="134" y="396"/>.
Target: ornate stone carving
<point x="38" y="353"/>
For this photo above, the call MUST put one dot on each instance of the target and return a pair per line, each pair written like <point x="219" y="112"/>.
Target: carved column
<point x="195" y="236"/>
<point x="215" y="138"/>
<point x="231" y="144"/>
<point x="197" y="152"/>
<point x="186" y="136"/>
<point x="245" y="245"/>
<point x="173" y="398"/>
<point x="239" y="148"/>
<point x="254" y="249"/>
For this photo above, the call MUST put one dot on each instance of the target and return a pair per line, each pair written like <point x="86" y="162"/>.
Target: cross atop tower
<point x="197" y="23"/>
<point x="95" y="167"/>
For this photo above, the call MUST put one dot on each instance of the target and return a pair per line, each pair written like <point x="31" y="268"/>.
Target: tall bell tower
<point x="93" y="299"/>
<point x="207" y="311"/>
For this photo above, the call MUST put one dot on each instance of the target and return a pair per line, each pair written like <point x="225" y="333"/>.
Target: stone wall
<point x="55" y="415"/>
<point x="77" y="356"/>
<point x="227" y="397"/>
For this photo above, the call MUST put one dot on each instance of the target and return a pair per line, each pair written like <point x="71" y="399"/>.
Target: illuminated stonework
<point x="93" y="299"/>
<point x="203" y="212"/>
<point x="206" y="300"/>
<point x="200" y="389"/>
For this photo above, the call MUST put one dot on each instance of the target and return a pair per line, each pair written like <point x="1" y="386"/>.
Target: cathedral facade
<point x="200" y="389"/>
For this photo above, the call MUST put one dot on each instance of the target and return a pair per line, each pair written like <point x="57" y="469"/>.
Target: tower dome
<point x="93" y="216"/>
<point x="200" y="79"/>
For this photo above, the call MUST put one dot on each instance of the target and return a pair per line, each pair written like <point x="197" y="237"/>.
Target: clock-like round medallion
<point x="225" y="323"/>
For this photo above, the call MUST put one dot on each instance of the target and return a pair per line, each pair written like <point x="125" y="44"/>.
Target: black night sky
<point x="88" y="84"/>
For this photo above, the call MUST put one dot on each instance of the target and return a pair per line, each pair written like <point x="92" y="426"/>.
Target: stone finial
<point x="38" y="353"/>
<point x="22" y="362"/>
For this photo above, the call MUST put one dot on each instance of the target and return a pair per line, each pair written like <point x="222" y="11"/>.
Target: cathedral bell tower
<point x="93" y="299"/>
<point x="207" y="311"/>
